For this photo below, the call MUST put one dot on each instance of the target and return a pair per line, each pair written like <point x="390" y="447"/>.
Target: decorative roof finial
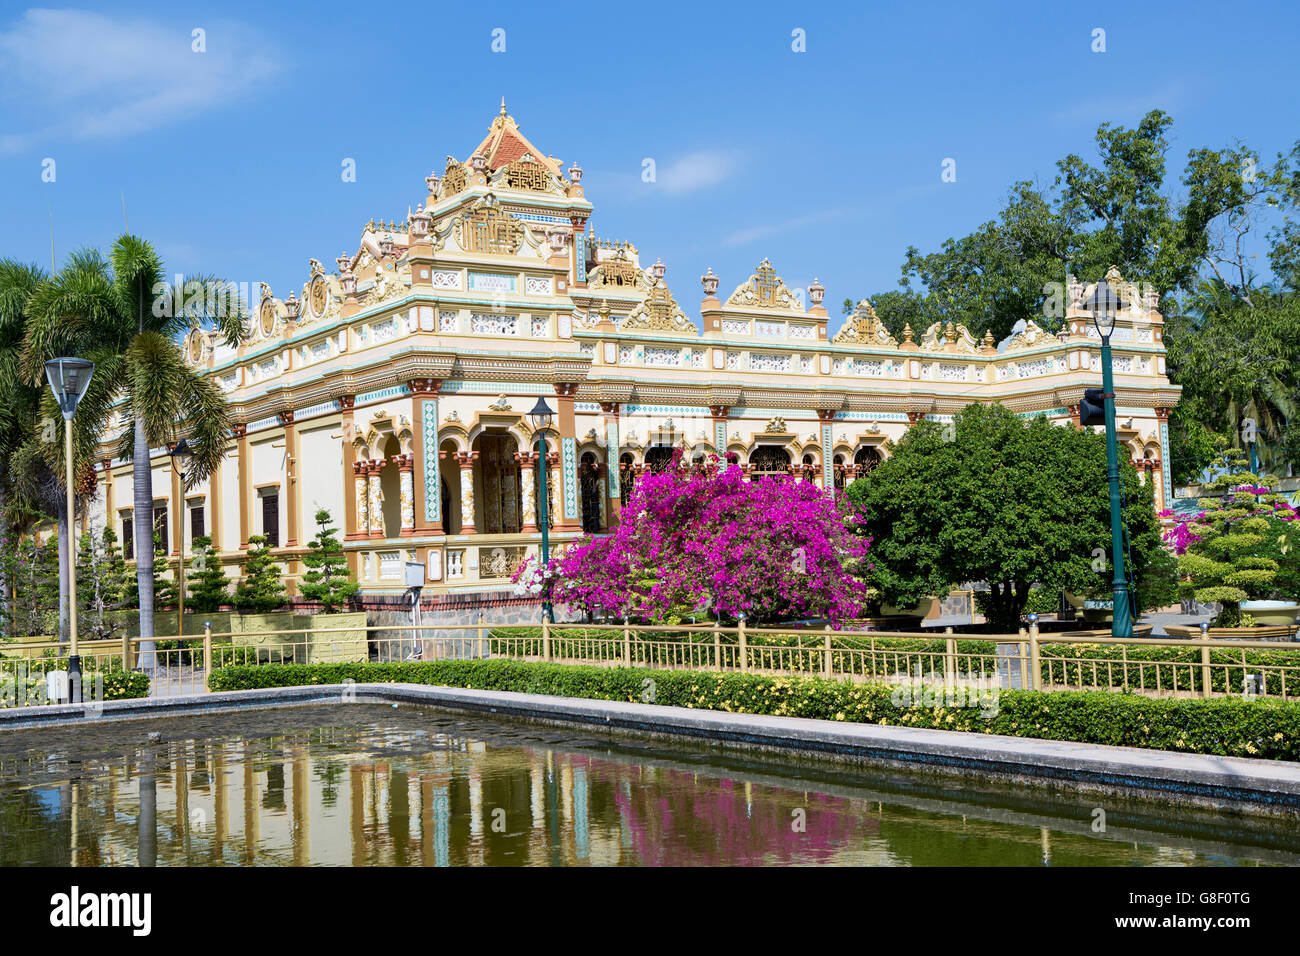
<point x="503" y="107"/>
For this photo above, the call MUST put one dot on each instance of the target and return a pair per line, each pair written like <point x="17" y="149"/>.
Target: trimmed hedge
<point x="121" y="685"/>
<point x="1225" y="726"/>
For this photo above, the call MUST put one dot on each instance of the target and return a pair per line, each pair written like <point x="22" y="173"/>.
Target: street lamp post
<point x="181" y="455"/>
<point x="69" y="378"/>
<point x="542" y="416"/>
<point x="1105" y="305"/>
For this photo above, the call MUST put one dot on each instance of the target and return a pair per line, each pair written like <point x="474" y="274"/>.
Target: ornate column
<point x="568" y="498"/>
<point x="375" y="496"/>
<point x="177" y="509"/>
<point x="427" y="482"/>
<point x="245" y="483"/>
<point x="825" y="420"/>
<point x="360" y="499"/>
<point x="110" y="517"/>
<point x="405" y="475"/>
<point x="465" y="459"/>
<point x="214" y="508"/>
<point x="290" y="478"/>
<point x="611" y="504"/>
<point x="528" y="489"/>
<point x="1164" y="489"/>
<point x="554" y="487"/>
<point x="353" y="520"/>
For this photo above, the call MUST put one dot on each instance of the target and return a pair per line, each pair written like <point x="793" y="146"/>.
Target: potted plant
<point x="1239" y="552"/>
<point x="259" y="597"/>
<point x="327" y="582"/>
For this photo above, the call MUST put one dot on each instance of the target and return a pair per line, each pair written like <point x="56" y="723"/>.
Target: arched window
<point x="839" y="472"/>
<point x="771" y="461"/>
<point x="866" y="459"/>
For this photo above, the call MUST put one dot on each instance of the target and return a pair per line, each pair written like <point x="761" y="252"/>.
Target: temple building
<point x="394" y="389"/>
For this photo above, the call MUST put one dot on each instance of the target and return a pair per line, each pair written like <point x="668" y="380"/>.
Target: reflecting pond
<point x="368" y="784"/>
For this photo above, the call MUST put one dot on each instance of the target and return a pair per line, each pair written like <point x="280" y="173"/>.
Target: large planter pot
<point x="1276" y="613"/>
<point x="1185" y="632"/>
<point x="1093" y="610"/>
<point x="254" y="631"/>
<point x="334" y="645"/>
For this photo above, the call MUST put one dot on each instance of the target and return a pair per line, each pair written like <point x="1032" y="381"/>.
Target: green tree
<point x="207" y="580"/>
<point x="995" y="499"/>
<point x="328" y="581"/>
<point x="101" y="585"/>
<point x="261" y="589"/>
<point x="122" y="314"/>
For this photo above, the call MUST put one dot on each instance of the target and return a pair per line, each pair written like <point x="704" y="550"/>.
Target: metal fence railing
<point x="178" y="666"/>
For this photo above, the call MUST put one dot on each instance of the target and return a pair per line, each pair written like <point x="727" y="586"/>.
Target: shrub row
<point x="1223" y="726"/>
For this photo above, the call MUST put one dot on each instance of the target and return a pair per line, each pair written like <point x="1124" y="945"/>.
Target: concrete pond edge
<point x="1224" y="783"/>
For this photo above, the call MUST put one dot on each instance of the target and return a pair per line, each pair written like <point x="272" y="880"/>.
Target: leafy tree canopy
<point x="999" y="500"/>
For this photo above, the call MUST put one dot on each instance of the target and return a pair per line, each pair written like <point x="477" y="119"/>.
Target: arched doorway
<point x="449" y="473"/>
<point x="589" y="489"/>
<point x="626" y="478"/>
<point x="770" y="461"/>
<point x="659" y="458"/>
<point x="498" y="507"/>
<point x="390" y="486"/>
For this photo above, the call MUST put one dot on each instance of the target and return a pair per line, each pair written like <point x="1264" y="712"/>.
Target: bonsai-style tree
<point x="703" y="541"/>
<point x="101" y="585"/>
<point x="164" y="589"/>
<point x="994" y="498"/>
<point x="328" y="581"/>
<point x="207" y="580"/>
<point x="260" y="590"/>
<point x="1240" y="547"/>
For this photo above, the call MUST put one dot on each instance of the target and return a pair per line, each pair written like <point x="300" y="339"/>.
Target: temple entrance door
<point x="589" y="486"/>
<point x="498" y="486"/>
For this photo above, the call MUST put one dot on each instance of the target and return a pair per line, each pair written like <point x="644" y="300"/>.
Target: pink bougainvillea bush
<point x="703" y="540"/>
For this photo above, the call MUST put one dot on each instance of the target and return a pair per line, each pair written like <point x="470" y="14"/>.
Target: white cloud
<point x="697" y="170"/>
<point x="742" y="236"/>
<point x="77" y="75"/>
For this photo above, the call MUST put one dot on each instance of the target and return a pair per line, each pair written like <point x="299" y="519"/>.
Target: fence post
<point x="126" y="651"/>
<point x="949" y="658"/>
<point x="546" y="639"/>
<point x="627" y="645"/>
<point x="826" y="662"/>
<point x="744" y="652"/>
<point x="1205" y="659"/>
<point x="1036" y="677"/>
<point x="479" y="652"/>
<point x="207" y="648"/>
<point x="717" y="643"/>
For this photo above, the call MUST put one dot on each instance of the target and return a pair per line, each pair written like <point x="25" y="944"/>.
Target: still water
<point x="376" y="785"/>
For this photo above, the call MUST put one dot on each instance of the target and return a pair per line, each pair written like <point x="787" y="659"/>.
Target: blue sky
<point x="827" y="161"/>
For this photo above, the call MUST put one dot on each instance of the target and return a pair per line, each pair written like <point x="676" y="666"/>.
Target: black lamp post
<point x="181" y="455"/>
<point x="69" y="378"/>
<point x="542" y="416"/>
<point x="1105" y="303"/>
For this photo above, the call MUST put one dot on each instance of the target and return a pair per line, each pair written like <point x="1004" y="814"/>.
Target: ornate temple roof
<point x="504" y="144"/>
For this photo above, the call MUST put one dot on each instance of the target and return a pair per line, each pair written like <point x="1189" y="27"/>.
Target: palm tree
<point x="120" y="314"/>
<point x="18" y="411"/>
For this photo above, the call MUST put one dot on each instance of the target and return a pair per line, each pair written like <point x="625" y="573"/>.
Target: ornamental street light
<point x="542" y="416"/>
<point x="181" y="455"/>
<point x="1104" y="303"/>
<point x="69" y="378"/>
